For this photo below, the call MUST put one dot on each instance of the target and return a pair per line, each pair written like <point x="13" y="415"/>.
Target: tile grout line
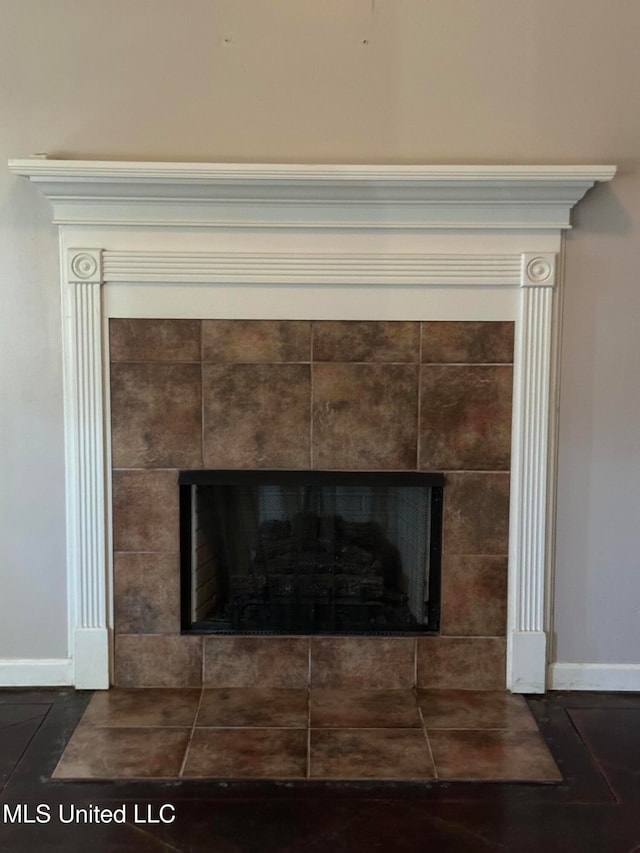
<point x="451" y="471"/>
<point x="320" y="361"/>
<point x="202" y="419"/>
<point x="408" y="362"/>
<point x="309" y="713"/>
<point x="309" y="733"/>
<point x="426" y="737"/>
<point x="193" y="730"/>
<point x="311" y="395"/>
<point x="293" y="728"/>
<point x="419" y="407"/>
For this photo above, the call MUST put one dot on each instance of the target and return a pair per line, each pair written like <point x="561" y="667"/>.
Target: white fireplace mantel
<point x="291" y="196"/>
<point x="316" y="242"/>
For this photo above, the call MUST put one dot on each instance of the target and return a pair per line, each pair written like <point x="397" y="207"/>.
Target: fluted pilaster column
<point x="530" y="469"/>
<point x="85" y="486"/>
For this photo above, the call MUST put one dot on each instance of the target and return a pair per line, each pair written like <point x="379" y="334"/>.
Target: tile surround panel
<point x="302" y="395"/>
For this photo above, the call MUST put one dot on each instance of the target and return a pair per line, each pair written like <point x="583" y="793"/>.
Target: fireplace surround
<point x="376" y="399"/>
<point x="317" y="243"/>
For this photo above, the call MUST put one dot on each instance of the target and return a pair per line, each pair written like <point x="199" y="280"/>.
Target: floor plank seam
<point x="592" y="759"/>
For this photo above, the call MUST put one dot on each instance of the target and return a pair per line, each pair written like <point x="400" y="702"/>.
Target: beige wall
<point x="532" y="81"/>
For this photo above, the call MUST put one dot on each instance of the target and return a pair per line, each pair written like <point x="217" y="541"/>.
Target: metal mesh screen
<point x="315" y="558"/>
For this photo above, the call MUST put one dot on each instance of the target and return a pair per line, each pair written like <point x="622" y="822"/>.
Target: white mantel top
<point x="326" y="196"/>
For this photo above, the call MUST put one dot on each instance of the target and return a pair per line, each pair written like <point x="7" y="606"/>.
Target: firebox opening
<point x="310" y="552"/>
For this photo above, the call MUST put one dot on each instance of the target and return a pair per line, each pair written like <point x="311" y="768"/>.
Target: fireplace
<point x="310" y="552"/>
<point x="443" y="249"/>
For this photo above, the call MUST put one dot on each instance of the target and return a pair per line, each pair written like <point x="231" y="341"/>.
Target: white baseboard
<point x="36" y="672"/>
<point x="594" y="676"/>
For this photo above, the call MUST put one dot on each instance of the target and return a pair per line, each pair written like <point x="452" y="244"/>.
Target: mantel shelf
<point x="325" y="196"/>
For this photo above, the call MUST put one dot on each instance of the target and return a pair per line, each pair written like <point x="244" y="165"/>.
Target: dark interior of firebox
<point x="310" y="552"/>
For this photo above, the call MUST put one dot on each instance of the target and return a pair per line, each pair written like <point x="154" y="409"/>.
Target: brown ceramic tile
<point x="466" y="663"/>
<point x="476" y="513"/>
<point x="346" y="340"/>
<point x="146" y="593"/>
<point x="365" y="416"/>
<point x="363" y="709"/>
<point x="253" y="707"/>
<point x="145" y="510"/>
<point x="367" y="663"/>
<point x="465" y="417"/>
<point x="154" y="340"/>
<point x="474" y="596"/>
<point x="247" y="754"/>
<point x="467" y="342"/>
<point x="475" y="709"/>
<point x="156" y="416"/>
<point x="139" y="707"/>
<point x="252" y="341"/>
<point x="256" y="415"/>
<point x="370" y="754"/>
<point x="256" y="662"/>
<point x="493" y="755"/>
<point x="146" y="660"/>
<point x="128" y="753"/>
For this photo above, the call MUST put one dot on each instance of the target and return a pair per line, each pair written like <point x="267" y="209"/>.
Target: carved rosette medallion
<point x="538" y="270"/>
<point x="84" y="266"/>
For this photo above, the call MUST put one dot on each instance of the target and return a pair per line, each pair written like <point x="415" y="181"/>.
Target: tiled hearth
<point x="425" y="396"/>
<point x="321" y="734"/>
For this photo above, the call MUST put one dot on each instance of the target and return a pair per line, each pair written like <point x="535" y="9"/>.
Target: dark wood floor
<point x="595" y="739"/>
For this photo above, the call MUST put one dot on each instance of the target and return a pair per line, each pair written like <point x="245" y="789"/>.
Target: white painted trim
<point x="257" y="175"/>
<point x="85" y="467"/>
<point x="310" y="196"/>
<point x="530" y="463"/>
<point x="312" y="268"/>
<point x="36" y="672"/>
<point x="594" y="676"/>
<point x="526" y="660"/>
<point x="316" y="302"/>
<point x="91" y="652"/>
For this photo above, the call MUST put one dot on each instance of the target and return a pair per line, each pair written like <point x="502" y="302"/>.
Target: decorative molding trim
<point x="84" y="266"/>
<point x="594" y="676"/>
<point x="262" y="174"/>
<point x="36" y="672"/>
<point x="538" y="270"/>
<point x="314" y="196"/>
<point x="310" y="268"/>
<point x="529" y="473"/>
<point x="85" y="462"/>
